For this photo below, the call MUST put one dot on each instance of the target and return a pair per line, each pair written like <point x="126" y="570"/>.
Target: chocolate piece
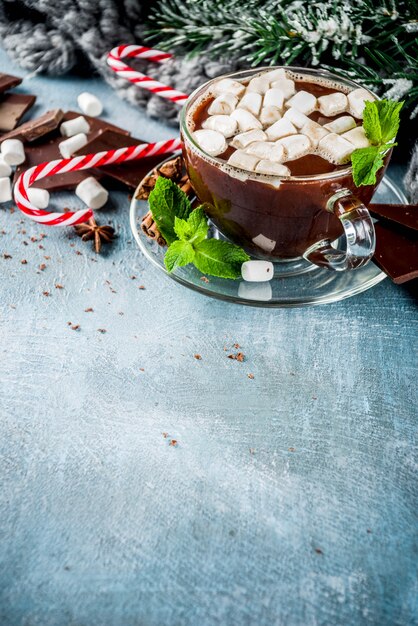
<point x="403" y="214"/>
<point x="13" y="106"/>
<point x="7" y="81"/>
<point x="396" y="252"/>
<point x="36" y="128"/>
<point x="129" y="173"/>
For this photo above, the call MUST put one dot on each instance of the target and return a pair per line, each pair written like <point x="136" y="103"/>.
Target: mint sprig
<point x="185" y="231"/>
<point x="380" y="123"/>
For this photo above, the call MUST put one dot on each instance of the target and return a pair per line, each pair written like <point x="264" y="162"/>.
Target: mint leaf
<point x="366" y="162"/>
<point x="389" y="118"/>
<point x="194" y="229"/>
<point x="219" y="258"/>
<point x="371" y="123"/>
<point x="178" y="254"/>
<point x="167" y="201"/>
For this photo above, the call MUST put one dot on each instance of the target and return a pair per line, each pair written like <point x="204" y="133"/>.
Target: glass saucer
<point x="295" y="283"/>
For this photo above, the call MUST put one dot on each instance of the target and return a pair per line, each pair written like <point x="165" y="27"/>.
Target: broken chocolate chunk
<point x="7" y="81"/>
<point x="36" y="128"/>
<point x="396" y="251"/>
<point x="403" y="214"/>
<point x="13" y="106"/>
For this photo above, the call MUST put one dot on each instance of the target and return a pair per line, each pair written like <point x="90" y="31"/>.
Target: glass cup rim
<point x="255" y="70"/>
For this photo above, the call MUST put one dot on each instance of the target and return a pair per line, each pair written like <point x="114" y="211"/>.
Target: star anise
<point x="92" y="230"/>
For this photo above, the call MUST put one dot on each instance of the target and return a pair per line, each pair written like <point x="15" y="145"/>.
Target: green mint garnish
<point x="185" y="231"/>
<point x="381" y="124"/>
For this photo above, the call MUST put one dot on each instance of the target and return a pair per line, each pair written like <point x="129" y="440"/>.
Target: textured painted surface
<point x="103" y="523"/>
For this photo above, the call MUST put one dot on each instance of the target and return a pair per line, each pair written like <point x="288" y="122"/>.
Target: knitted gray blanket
<point x="55" y="36"/>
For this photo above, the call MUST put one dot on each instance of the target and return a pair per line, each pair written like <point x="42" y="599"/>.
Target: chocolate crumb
<point x="165" y="435"/>
<point x="42" y="267"/>
<point x="292" y="449"/>
<point x="7" y="256"/>
<point x="78" y="252"/>
<point x="369" y="531"/>
<point x="47" y="257"/>
<point x="252" y="450"/>
<point x="121" y="313"/>
<point x="102" y="330"/>
<point x="89" y="310"/>
<point x="75" y="326"/>
<point x="40" y="246"/>
<point x="240" y="357"/>
<point x="133" y="277"/>
<point x="173" y="442"/>
<point x="24" y="262"/>
<point x="58" y="286"/>
<point x="46" y="293"/>
<point x="236" y="346"/>
<point x="141" y="287"/>
<point x="204" y="279"/>
<point x="141" y="369"/>
<point x="33" y="238"/>
<point x="318" y="551"/>
<point x="251" y="376"/>
<point x="198" y="357"/>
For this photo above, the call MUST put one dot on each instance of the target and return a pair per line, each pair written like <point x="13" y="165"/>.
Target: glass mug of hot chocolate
<point x="269" y="151"/>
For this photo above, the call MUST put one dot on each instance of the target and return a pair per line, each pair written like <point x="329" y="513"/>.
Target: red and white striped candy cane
<point x="114" y="60"/>
<point x="60" y="166"/>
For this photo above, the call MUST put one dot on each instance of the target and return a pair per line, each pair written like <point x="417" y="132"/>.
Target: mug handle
<point x="359" y="235"/>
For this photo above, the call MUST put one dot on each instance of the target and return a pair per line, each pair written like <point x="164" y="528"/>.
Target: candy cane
<point x="60" y="166"/>
<point x="138" y="78"/>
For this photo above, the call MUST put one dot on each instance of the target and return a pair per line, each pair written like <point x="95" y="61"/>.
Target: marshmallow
<point x="297" y="118"/>
<point x="356" y="102"/>
<point x="72" y="144"/>
<point x="251" y="101"/>
<point x="314" y="131"/>
<point x="224" y="124"/>
<point x="281" y="128"/>
<point x="75" y="126"/>
<point x="335" y="149"/>
<point x="245" y="139"/>
<point x="5" y="169"/>
<point x="261" y="292"/>
<point x="269" y="115"/>
<point x="257" y="271"/>
<point x="267" y="150"/>
<point x="259" y="84"/>
<point x="286" y="85"/>
<point x="245" y="161"/>
<point x="273" y="75"/>
<point x="211" y="141"/>
<point x="296" y="146"/>
<point x="224" y="104"/>
<point x="38" y="197"/>
<point x="341" y="124"/>
<point x="270" y="168"/>
<point x="227" y="85"/>
<point x="357" y="137"/>
<point x="264" y="243"/>
<point x="89" y="104"/>
<point x="274" y="98"/>
<point x="5" y="190"/>
<point x="245" y="119"/>
<point x="91" y="192"/>
<point x="12" y="151"/>
<point x="333" y="104"/>
<point x="303" y="101"/>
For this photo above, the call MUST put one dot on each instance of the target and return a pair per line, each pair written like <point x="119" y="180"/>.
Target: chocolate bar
<point x="13" y="106"/>
<point x="130" y="173"/>
<point x="396" y="251"/>
<point x="36" y="128"/>
<point x="7" y="81"/>
<point x="403" y="214"/>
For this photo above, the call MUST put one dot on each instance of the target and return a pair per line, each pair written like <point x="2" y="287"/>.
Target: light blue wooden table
<point x="290" y="499"/>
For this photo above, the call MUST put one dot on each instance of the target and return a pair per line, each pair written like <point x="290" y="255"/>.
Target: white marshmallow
<point x="257" y="271"/>
<point x="261" y="292"/>
<point x="341" y="124"/>
<point x="335" y="149"/>
<point x="273" y="75"/>
<point x="303" y="101"/>
<point x="297" y="118"/>
<point x="296" y="146"/>
<point x="245" y="139"/>
<point x="224" y="104"/>
<point x="259" y="84"/>
<point x="251" y="101"/>
<point x="224" y="124"/>
<point x="12" y="151"/>
<point x="246" y="120"/>
<point x="72" y="144"/>
<point x="269" y="115"/>
<point x="314" y="131"/>
<point x="333" y="104"/>
<point x="281" y="128"/>
<point x="5" y="189"/>
<point x="228" y="85"/>
<point x="356" y="102"/>
<point x="211" y="141"/>
<point x="75" y="126"/>
<point x="357" y="137"/>
<point x="286" y="85"/>
<point x="38" y="197"/>
<point x="91" y="192"/>
<point x="264" y="243"/>
<point x="274" y="98"/>
<point x="89" y="104"/>
<point x="267" y="150"/>
<point x="5" y="169"/>
<point x="245" y="161"/>
<point x="271" y="168"/>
